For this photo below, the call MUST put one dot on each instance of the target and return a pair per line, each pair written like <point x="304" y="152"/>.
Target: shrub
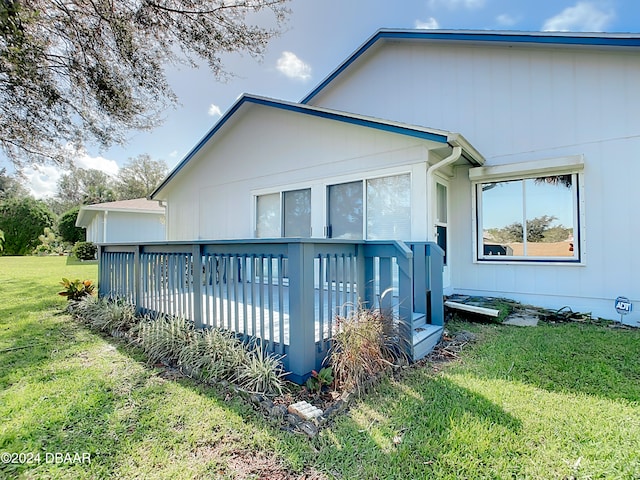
<point x="50" y="244"/>
<point x="164" y="337"/>
<point x="365" y="345"/>
<point x="67" y="227"/>
<point x="22" y="220"/>
<point x="212" y="355"/>
<point x="76" y="289"/>
<point x="85" y="250"/>
<point x="261" y="373"/>
<point x="1" y="240"/>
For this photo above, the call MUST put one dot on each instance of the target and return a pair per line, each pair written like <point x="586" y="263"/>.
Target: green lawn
<point x="554" y="401"/>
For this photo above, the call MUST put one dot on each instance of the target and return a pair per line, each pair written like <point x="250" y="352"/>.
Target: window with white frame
<point x="532" y="218"/>
<point x="381" y="206"/>
<point x="286" y="214"/>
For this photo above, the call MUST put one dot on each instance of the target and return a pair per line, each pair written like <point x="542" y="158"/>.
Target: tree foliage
<point x="11" y="186"/>
<point x="82" y="186"/>
<point x="77" y="71"/>
<point x="67" y="227"/>
<point x="22" y="220"/>
<point x="139" y="177"/>
<point x="539" y="229"/>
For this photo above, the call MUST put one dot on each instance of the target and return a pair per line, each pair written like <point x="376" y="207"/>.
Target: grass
<point x="554" y="401"/>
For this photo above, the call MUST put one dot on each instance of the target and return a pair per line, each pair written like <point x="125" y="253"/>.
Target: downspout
<point x="456" y="153"/>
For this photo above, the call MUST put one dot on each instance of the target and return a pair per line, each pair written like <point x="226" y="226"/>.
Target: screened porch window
<point x="286" y="214"/>
<point x="529" y="219"/>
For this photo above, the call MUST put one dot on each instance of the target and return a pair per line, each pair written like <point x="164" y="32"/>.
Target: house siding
<point x="270" y="150"/>
<point x="516" y="104"/>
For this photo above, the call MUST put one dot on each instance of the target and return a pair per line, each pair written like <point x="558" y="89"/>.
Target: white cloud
<point x="214" y="110"/>
<point x="173" y="154"/>
<point x="42" y="181"/>
<point x="430" y="24"/>
<point x="84" y="160"/>
<point x="582" y="17"/>
<point x="507" y="20"/>
<point x="291" y="66"/>
<point x="456" y="4"/>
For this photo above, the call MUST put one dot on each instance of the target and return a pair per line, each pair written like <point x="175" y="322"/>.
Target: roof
<point x="136" y="205"/>
<point x="507" y="38"/>
<point x="434" y="135"/>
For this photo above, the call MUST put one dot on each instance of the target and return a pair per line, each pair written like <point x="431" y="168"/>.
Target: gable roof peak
<point x="504" y="37"/>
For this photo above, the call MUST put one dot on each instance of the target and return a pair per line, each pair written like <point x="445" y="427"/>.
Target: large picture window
<point x="529" y="219"/>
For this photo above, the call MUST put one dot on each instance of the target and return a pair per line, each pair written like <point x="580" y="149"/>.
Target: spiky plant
<point x="212" y="355"/>
<point x="261" y="373"/>
<point x="164" y="337"/>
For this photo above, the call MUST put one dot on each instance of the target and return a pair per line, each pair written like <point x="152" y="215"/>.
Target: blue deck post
<point x="301" y="356"/>
<point x="137" y="278"/>
<point x="420" y="277"/>
<point x="196" y="278"/>
<point x="435" y="257"/>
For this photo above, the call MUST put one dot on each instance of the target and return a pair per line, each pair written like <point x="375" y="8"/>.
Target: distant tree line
<point x="539" y="230"/>
<point x="23" y="219"/>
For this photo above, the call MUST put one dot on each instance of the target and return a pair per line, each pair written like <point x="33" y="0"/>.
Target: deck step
<point x="425" y="338"/>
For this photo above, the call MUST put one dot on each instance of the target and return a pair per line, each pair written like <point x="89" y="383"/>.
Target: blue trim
<point x="611" y="40"/>
<point x="306" y="110"/>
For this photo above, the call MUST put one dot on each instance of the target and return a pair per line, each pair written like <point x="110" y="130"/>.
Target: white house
<point x="137" y="220"/>
<point x="457" y="137"/>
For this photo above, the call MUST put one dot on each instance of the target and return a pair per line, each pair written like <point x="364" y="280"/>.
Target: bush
<point x="67" y="227"/>
<point x="364" y="346"/>
<point x="50" y="244"/>
<point x="212" y="355"/>
<point x="261" y="373"/>
<point x="23" y="220"/>
<point x="164" y="337"/>
<point x="76" y="289"/>
<point x="85" y="250"/>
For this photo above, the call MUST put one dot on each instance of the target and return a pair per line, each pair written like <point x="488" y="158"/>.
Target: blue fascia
<point x="306" y="110"/>
<point x="541" y="38"/>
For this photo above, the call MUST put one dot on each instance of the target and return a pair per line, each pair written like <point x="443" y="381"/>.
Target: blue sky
<point x="319" y="34"/>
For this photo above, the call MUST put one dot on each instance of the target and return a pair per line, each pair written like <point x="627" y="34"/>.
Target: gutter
<point x="454" y="157"/>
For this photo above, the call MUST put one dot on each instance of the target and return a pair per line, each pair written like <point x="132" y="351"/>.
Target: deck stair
<point x="425" y="336"/>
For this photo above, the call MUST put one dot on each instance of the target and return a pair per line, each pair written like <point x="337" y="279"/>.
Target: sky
<point x="317" y="37"/>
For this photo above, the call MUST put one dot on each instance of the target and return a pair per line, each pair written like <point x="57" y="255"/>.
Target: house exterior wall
<point x="126" y="227"/>
<point x="522" y="104"/>
<point x="270" y="150"/>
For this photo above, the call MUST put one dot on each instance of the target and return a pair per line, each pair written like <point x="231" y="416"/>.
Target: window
<point x="529" y="219"/>
<point x="385" y="202"/>
<point x="389" y="208"/>
<point x="291" y="219"/>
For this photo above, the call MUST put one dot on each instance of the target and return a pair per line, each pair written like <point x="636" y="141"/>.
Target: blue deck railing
<point x="284" y="292"/>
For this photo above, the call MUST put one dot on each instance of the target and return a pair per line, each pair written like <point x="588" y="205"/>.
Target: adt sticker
<point x="623" y="305"/>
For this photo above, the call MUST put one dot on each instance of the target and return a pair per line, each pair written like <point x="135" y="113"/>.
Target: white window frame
<point x="280" y="193"/>
<point x="570" y="165"/>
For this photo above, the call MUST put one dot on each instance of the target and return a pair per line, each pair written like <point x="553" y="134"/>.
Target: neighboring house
<point x="551" y="141"/>
<point x="124" y="221"/>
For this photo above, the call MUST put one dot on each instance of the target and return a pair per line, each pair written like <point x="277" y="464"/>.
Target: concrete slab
<point x="521" y="320"/>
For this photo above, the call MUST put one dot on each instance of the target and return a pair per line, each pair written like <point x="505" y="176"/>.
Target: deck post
<point x="137" y="278"/>
<point x="420" y="277"/>
<point x="301" y="356"/>
<point x="196" y="278"/>
<point x="435" y="257"/>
